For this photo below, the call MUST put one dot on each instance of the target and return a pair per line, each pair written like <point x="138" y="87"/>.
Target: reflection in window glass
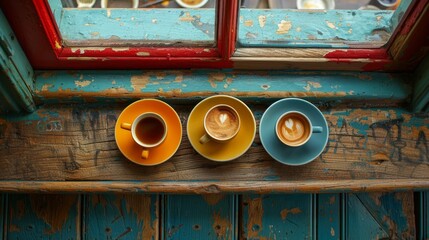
<point x="319" y="23"/>
<point x="135" y="22"/>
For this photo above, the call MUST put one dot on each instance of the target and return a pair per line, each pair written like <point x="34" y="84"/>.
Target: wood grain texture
<point x="324" y="29"/>
<point x="121" y="216"/>
<point x="200" y="217"/>
<point x="277" y="216"/>
<point x="383" y="215"/>
<point x="328" y="225"/>
<point x="191" y="86"/>
<point x="41" y="216"/>
<point x="76" y="142"/>
<point x="131" y="27"/>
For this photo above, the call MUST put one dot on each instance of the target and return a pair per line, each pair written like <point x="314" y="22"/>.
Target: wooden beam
<point x="117" y="86"/>
<point x="368" y="149"/>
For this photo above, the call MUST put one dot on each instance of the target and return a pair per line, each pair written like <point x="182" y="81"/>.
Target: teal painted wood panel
<point x="199" y="217"/>
<point x="140" y="26"/>
<point x="40" y="216"/>
<point x="121" y="216"/>
<point x="293" y="28"/>
<point x="383" y="215"/>
<point x="358" y="218"/>
<point x="187" y="85"/>
<point x="16" y="75"/>
<point x="277" y="216"/>
<point x="328" y="216"/>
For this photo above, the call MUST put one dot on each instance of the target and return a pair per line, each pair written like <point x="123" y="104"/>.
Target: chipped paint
<point x="46" y="87"/>
<point x="187" y="17"/>
<point x="262" y="20"/>
<point x="120" y="49"/>
<point x="330" y="24"/>
<point x="332" y="232"/>
<point x="138" y="82"/>
<point x="311" y="85"/>
<point x="284" y="27"/>
<point x="255" y="213"/>
<point x="108" y="12"/>
<point x="216" y="77"/>
<point x="57" y="45"/>
<point x="82" y="83"/>
<point x="53" y="214"/>
<point x="139" y="205"/>
<point x="143" y="54"/>
<point x="248" y="23"/>
<point x="221" y="226"/>
<point x="286" y="211"/>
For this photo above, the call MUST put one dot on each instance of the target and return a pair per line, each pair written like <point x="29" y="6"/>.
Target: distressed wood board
<point x="76" y="143"/>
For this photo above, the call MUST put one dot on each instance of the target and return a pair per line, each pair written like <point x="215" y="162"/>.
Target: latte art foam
<point x="222" y="122"/>
<point x="293" y="129"/>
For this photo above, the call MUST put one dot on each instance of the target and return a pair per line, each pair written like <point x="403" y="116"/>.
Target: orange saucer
<point x="131" y="150"/>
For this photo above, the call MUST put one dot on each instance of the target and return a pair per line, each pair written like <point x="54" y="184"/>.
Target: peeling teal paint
<point x="277" y="216"/>
<point x="29" y="219"/>
<point x="113" y="216"/>
<point x="258" y="85"/>
<point x="155" y="26"/>
<point x="199" y="217"/>
<point x="321" y="29"/>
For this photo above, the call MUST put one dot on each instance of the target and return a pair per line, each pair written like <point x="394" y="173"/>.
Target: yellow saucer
<point x="159" y="154"/>
<point x="216" y="151"/>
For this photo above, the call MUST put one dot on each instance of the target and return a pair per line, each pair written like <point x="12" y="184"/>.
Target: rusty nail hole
<point x="108" y="230"/>
<point x="196" y="227"/>
<point x="256" y="227"/>
<point x="218" y="227"/>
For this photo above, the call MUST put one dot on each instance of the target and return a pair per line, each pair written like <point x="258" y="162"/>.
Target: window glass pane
<point x="319" y="23"/>
<point x="135" y="22"/>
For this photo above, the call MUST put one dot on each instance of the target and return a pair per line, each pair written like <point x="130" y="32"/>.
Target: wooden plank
<point x="328" y="216"/>
<point x="116" y="86"/>
<point x="41" y="216"/>
<point x="358" y="218"/>
<point x="335" y="28"/>
<point x="423" y="223"/>
<point x="126" y="27"/>
<point x="16" y="74"/>
<point x="277" y="216"/>
<point x="210" y="187"/>
<point x="394" y="212"/>
<point x="386" y="216"/>
<point x="200" y="217"/>
<point x="76" y="142"/>
<point x="121" y="216"/>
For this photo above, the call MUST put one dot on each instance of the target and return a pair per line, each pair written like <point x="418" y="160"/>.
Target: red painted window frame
<point x="40" y="38"/>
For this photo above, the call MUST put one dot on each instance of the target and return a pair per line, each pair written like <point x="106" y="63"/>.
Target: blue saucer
<point x="293" y="155"/>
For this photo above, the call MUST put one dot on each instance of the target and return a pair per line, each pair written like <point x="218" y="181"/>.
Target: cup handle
<point x="204" y="139"/>
<point x="317" y="129"/>
<point x="126" y="126"/>
<point x="145" y="153"/>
